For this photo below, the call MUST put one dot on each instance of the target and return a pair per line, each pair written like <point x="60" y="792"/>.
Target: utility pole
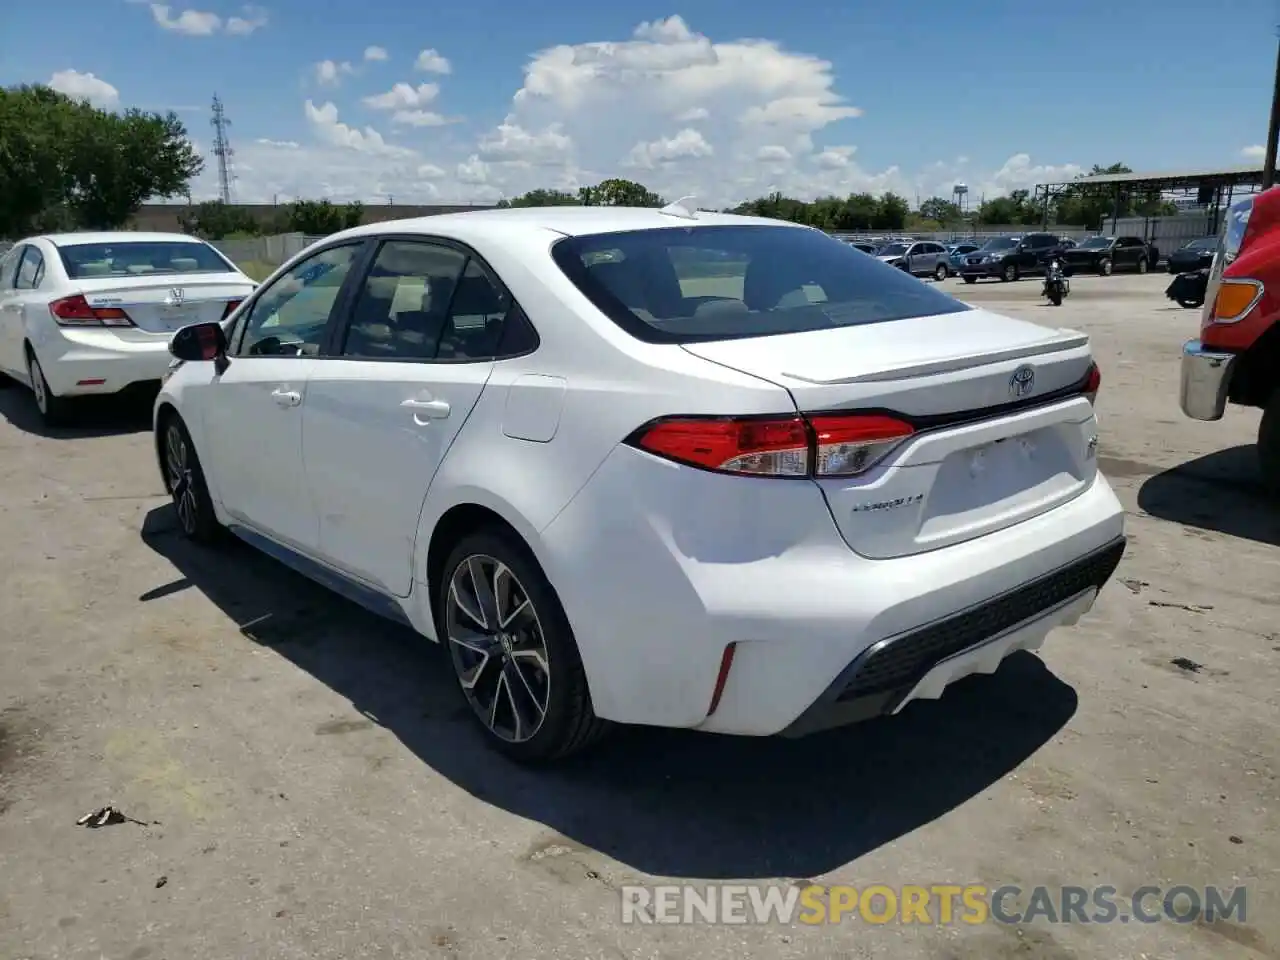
<point x="222" y="149"/>
<point x="1273" y="132"/>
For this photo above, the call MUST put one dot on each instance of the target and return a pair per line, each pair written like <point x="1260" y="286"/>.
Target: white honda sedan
<point x="91" y="313"/>
<point x="659" y="467"/>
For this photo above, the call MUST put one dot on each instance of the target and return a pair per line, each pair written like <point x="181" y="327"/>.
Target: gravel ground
<point x="311" y="786"/>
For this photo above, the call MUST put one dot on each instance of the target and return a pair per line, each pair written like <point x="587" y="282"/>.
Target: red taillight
<point x="1094" y="382"/>
<point x="231" y="305"/>
<point x="824" y="445"/>
<point x="76" y="312"/>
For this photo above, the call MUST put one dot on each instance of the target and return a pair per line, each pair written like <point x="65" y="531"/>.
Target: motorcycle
<point x="1056" y="284"/>
<point x="1188" y="289"/>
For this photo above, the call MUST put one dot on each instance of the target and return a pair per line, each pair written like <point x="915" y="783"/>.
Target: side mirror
<point x="199" y="342"/>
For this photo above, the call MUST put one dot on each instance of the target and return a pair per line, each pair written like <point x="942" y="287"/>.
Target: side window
<point x="9" y="267"/>
<point x="402" y="310"/>
<point x="476" y="317"/>
<point x="289" y="317"/>
<point x="30" y="270"/>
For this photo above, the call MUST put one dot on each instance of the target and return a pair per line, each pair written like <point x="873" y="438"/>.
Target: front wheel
<point x="1190" y="304"/>
<point x="1010" y="273"/>
<point x="1142" y="265"/>
<point x="1269" y="445"/>
<point x="513" y="650"/>
<point x="184" y="479"/>
<point x="1055" y="295"/>
<point x="1104" y="268"/>
<point x="940" y="273"/>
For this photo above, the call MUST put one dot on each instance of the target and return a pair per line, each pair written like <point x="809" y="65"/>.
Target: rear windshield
<point x="128" y="258"/>
<point x="684" y="284"/>
<point x="1096" y="243"/>
<point x="1204" y="243"/>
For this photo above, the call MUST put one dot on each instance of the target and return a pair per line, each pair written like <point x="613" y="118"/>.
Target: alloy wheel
<point x="177" y="458"/>
<point x="37" y="383"/>
<point x="498" y="648"/>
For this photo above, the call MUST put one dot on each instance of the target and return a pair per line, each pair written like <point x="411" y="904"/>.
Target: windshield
<point x="138" y="258"/>
<point x="1204" y="243"/>
<point x="892" y="250"/>
<point x="1096" y="243"/>
<point x="1000" y="243"/>
<point x="680" y="284"/>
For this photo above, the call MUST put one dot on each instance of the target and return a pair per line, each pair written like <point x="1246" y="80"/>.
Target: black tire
<point x="55" y="411"/>
<point x="1142" y="265"/>
<point x="970" y="279"/>
<point x="941" y="272"/>
<point x="1104" y="267"/>
<point x="568" y="724"/>
<point x="1269" y="445"/>
<point x="185" y="482"/>
<point x="1190" y="304"/>
<point x="1055" y="296"/>
<point x="1010" y="273"/>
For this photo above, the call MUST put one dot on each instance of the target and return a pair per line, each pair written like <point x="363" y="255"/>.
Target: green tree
<point x="543" y="198"/>
<point x="214" y="220"/>
<point x="320" y="217"/>
<point x="64" y="163"/>
<point x="891" y="213"/>
<point x="940" y="210"/>
<point x="618" y="193"/>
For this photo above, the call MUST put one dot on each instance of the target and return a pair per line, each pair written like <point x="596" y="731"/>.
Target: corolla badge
<point x="1022" y="382"/>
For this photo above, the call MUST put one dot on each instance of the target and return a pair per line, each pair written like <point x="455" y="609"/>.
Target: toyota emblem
<point x="175" y="298"/>
<point x="1022" y="382"/>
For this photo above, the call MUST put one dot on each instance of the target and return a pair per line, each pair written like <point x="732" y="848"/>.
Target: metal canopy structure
<point x="1213" y="188"/>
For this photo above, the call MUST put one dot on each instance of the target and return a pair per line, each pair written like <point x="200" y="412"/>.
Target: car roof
<point x="566" y="221"/>
<point x="115" y="236"/>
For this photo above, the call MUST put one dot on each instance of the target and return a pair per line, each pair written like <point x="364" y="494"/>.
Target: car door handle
<point x="435" y="409"/>
<point x="286" y="398"/>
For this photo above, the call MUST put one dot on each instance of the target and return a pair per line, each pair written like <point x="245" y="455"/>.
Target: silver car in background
<point x="922" y="258"/>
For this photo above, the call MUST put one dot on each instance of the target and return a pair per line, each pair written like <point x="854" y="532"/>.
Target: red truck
<point x="1237" y="358"/>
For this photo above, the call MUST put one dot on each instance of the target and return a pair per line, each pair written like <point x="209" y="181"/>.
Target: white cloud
<point x="329" y="73"/>
<point x="420" y="118"/>
<point x="324" y="122"/>
<point x="722" y="119"/>
<point x="1256" y="152"/>
<point x="688" y="144"/>
<point x="280" y="144"/>
<point x="429" y="61"/>
<point x="193" y="23"/>
<point x="85" y="86"/>
<point x="255" y="18"/>
<point x="376" y="53"/>
<point x="200" y="23"/>
<point x="403" y="96"/>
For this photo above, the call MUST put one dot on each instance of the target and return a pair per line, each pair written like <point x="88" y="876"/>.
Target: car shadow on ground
<point x="93" y="417"/>
<point x="668" y="803"/>
<point x="1221" y="492"/>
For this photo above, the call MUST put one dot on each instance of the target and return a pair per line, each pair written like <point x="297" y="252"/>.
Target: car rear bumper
<point x="661" y="568"/>
<point x="79" y="362"/>
<point x="1206" y="377"/>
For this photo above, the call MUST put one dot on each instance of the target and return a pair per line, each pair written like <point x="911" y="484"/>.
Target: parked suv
<point x="1009" y="257"/>
<point x="922" y="258"/>
<point x="1104" y="254"/>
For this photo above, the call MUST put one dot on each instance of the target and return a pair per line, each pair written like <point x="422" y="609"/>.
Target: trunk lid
<point x="167" y="302"/>
<point x="992" y="448"/>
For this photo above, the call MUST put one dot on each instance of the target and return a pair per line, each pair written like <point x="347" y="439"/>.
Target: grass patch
<point x="257" y="270"/>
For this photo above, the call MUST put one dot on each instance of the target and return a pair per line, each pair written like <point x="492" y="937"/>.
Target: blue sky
<point x="998" y="94"/>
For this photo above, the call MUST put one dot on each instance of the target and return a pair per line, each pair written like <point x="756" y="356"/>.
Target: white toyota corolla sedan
<point x="659" y="467"/>
<point x="86" y="314"/>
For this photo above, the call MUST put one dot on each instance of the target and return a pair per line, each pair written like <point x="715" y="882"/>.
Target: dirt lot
<point x="317" y="791"/>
